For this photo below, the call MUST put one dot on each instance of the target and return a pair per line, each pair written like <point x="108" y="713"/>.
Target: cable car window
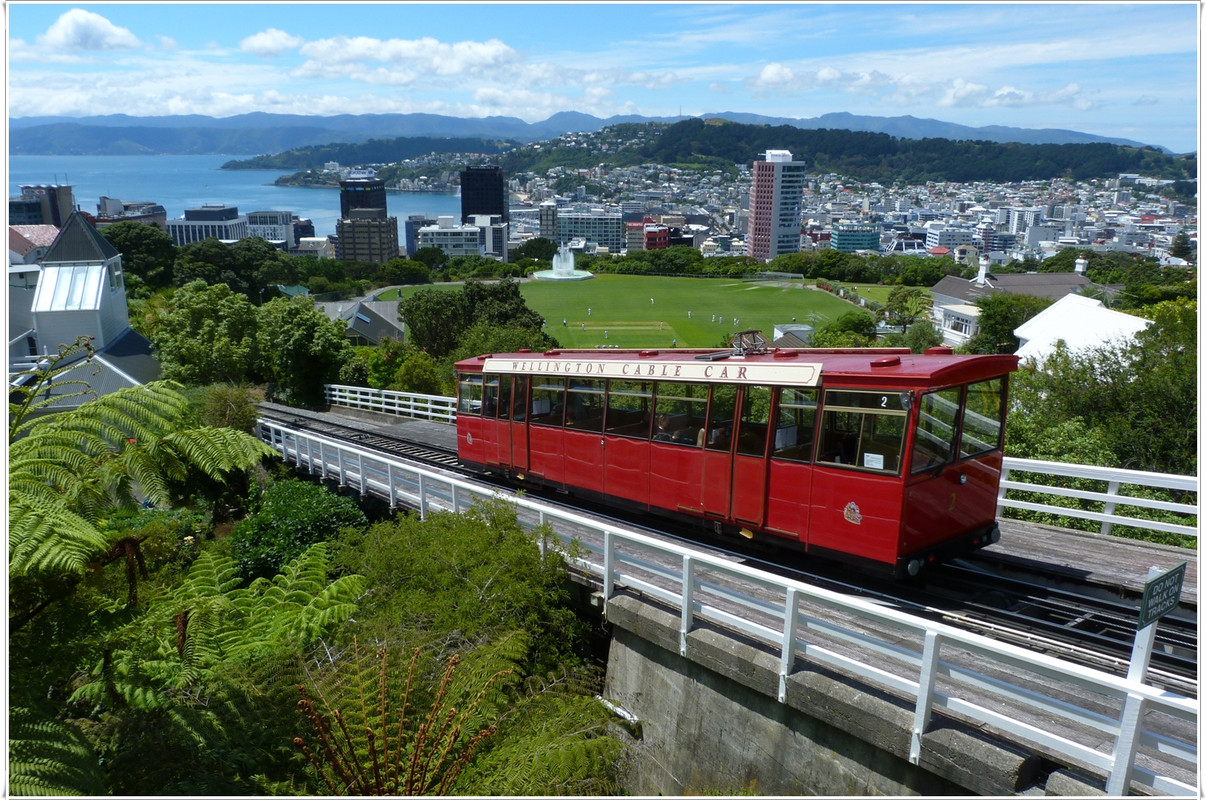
<point x="755" y="421"/>
<point x="628" y="407"/>
<point x="863" y="430"/>
<point x="584" y="405"/>
<point x="548" y="401"/>
<point x="519" y="411"/>
<point x="934" y="442"/>
<point x="796" y="424"/>
<point x="490" y="396"/>
<point x="679" y="410"/>
<point x="983" y="414"/>
<point x="720" y="419"/>
<point x="469" y="396"/>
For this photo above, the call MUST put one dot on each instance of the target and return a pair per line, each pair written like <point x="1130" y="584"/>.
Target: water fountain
<point x="563" y="268"/>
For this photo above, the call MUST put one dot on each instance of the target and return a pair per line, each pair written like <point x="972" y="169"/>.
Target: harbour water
<point x="180" y="182"/>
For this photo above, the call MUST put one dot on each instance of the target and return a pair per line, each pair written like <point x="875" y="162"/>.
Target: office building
<point x="373" y="241"/>
<point x="411" y="231"/>
<point x="852" y="237"/>
<point x="41" y="205"/>
<point x="483" y="191"/>
<point x="208" y="222"/>
<point x="776" y="198"/>
<point x="548" y="220"/>
<point x="365" y="231"/>
<point x="361" y="190"/>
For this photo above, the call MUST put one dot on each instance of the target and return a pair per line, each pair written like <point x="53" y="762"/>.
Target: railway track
<point x="1070" y="625"/>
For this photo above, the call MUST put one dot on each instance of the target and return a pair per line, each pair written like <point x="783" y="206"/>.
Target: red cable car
<point x="880" y="457"/>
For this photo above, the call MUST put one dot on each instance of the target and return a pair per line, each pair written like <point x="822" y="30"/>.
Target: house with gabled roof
<point x="956" y="315"/>
<point x="77" y="290"/>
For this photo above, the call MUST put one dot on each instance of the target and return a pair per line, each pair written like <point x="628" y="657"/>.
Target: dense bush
<point x="289" y="517"/>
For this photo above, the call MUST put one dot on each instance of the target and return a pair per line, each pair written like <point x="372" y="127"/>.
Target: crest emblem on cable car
<point x="852" y="514"/>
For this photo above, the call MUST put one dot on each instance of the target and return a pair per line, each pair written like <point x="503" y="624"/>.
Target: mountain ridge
<point x="263" y="132"/>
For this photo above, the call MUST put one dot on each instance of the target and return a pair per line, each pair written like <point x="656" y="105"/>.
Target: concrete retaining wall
<point x="711" y="723"/>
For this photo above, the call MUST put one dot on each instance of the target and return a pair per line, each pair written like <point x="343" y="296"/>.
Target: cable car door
<point x="717" y="484"/>
<point x="502" y="424"/>
<point x="519" y="423"/>
<point x="749" y="455"/>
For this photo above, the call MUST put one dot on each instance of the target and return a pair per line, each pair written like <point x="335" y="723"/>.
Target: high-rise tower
<point x="483" y="191"/>
<point x="776" y="198"/>
<point x="365" y="231"/>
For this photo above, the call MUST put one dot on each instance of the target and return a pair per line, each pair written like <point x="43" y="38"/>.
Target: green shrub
<point x="291" y="516"/>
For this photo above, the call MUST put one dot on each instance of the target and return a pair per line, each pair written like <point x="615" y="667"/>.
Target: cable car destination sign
<point x="1161" y="595"/>
<point x="727" y="371"/>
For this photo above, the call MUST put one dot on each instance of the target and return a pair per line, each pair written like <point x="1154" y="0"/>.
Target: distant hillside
<point x="261" y="133"/>
<point x="888" y="159"/>
<point x="374" y="151"/>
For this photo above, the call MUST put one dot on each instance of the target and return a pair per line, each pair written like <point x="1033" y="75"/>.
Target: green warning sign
<point x="1161" y="595"/>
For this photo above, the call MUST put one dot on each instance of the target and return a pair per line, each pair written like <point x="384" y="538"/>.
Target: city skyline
<point x="1125" y="70"/>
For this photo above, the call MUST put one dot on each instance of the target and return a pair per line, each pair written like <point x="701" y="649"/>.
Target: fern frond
<point x="47" y="536"/>
<point x="48" y="757"/>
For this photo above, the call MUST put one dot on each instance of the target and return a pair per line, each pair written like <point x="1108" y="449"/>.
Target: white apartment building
<point x="454" y="239"/>
<point x="776" y="199"/>
<point x="208" y="222"/>
<point x="943" y="234"/>
<point x="272" y="226"/>
<point x="599" y="226"/>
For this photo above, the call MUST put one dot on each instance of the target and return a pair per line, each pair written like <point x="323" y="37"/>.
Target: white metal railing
<point x="437" y="407"/>
<point x="931" y="665"/>
<point x="408" y="404"/>
<point x="1110" y="498"/>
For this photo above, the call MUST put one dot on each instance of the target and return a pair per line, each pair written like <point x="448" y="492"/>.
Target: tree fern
<point x="48" y="757"/>
<point x="65" y="470"/>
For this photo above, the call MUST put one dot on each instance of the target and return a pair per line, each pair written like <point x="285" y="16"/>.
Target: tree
<point x="434" y="319"/>
<point x="302" y="349"/>
<point x="905" y="306"/>
<point x="1181" y="246"/>
<point x="1000" y="316"/>
<point x="405" y="272"/>
<point x="209" y="337"/>
<point x="147" y="254"/>
<point x="208" y="261"/>
<point x="539" y="248"/>
<point x="433" y="257"/>
<point x="261" y="265"/>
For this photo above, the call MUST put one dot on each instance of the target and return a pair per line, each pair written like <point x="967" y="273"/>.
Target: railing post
<point x="363" y="477"/>
<point x="788" y="646"/>
<point x="609" y="546"/>
<point x="1004" y="477"/>
<point x="1112" y="491"/>
<point x="684" y="625"/>
<point x="925" y="693"/>
<point x="1126" y="746"/>
<point x="422" y="497"/>
<point x="389" y="472"/>
<point x="343" y="476"/>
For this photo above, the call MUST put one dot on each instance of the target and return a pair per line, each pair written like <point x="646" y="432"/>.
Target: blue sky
<point x="1117" y="69"/>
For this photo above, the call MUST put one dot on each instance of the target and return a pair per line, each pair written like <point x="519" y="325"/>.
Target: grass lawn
<point x="616" y="309"/>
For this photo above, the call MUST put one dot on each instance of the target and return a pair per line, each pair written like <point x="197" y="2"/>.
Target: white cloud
<point x="774" y="77"/>
<point x="78" y="30"/>
<point x="271" y="42"/>
<point x="962" y="93"/>
<point x="426" y="55"/>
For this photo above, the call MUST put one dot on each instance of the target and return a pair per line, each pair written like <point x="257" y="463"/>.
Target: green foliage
<point x="437" y="320"/>
<point x="147" y="255"/>
<point x="48" y="757"/>
<point x="906" y="305"/>
<point x="852" y="329"/>
<point x="1181" y="246"/>
<point x="373" y="151"/>
<point x="176" y="678"/>
<point x="210" y="336"/>
<point x="476" y="573"/>
<point x="291" y="516"/>
<point x="66" y="469"/>
<point x="303" y="349"/>
<point x="224" y="405"/>
<point x="539" y="248"/>
<point x="404" y="271"/>
<point x="886" y="159"/>
<point x="432" y="257"/>
<point x="1000" y="315"/>
<point x="1140" y="399"/>
<point x="918" y="338"/>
